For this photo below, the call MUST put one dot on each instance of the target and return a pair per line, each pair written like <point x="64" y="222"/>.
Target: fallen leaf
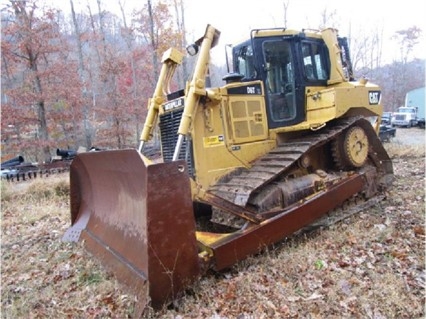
<point x="419" y="230"/>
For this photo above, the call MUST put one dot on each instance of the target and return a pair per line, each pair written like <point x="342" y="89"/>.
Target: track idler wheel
<point x="350" y="150"/>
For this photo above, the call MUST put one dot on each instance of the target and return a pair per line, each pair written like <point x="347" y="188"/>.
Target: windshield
<point x="406" y="110"/>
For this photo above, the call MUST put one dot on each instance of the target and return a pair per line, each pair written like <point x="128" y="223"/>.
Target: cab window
<point x="314" y="61"/>
<point x="245" y="62"/>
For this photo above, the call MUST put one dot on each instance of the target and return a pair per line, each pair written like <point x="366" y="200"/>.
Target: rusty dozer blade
<point x="137" y="218"/>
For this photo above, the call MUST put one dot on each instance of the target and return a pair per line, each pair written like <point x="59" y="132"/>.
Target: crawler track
<point x="238" y="186"/>
<point x="242" y="188"/>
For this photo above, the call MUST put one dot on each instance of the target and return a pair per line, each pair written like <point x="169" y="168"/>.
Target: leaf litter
<point x="371" y="265"/>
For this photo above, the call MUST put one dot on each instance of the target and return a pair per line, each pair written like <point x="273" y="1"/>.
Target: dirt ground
<point x="409" y="136"/>
<point x="371" y="265"/>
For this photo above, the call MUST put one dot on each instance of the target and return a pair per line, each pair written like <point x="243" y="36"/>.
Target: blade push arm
<point x="197" y="86"/>
<point x="171" y="59"/>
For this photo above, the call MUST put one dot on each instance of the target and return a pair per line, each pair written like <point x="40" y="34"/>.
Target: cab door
<point x="280" y="83"/>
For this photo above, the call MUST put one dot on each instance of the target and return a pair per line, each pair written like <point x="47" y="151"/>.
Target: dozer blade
<point x="137" y="218"/>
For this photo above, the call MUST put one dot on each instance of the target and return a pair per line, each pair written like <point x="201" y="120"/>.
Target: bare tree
<point x="407" y="40"/>
<point x="155" y="25"/>
<point x="128" y="36"/>
<point x="286" y="4"/>
<point x="366" y="49"/>
<point x="328" y="19"/>
<point x="180" y="21"/>
<point x="101" y="26"/>
<point x="153" y="38"/>
<point x="88" y="129"/>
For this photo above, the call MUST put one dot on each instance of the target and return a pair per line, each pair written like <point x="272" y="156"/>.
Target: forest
<point x="84" y="79"/>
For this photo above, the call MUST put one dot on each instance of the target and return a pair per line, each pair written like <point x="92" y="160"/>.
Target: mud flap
<point x="137" y="218"/>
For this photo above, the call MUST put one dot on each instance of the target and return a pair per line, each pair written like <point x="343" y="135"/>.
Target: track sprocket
<point x="350" y="150"/>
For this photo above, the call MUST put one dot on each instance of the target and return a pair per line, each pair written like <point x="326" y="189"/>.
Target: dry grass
<point x="369" y="266"/>
<point x="42" y="277"/>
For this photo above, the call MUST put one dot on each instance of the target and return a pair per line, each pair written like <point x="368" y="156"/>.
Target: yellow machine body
<point x="288" y="137"/>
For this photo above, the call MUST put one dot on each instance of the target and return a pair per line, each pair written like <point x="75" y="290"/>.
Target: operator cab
<point x="286" y="64"/>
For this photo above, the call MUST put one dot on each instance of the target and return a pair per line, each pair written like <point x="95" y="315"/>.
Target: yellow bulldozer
<point x="289" y="137"/>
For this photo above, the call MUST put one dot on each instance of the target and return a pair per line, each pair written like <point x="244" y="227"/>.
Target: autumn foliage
<point x="82" y="80"/>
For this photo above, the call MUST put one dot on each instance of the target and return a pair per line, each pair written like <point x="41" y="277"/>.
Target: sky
<point x="235" y="18"/>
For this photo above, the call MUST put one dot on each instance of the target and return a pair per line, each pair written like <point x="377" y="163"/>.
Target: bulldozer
<point x="289" y="137"/>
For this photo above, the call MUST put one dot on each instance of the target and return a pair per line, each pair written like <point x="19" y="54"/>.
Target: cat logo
<point x="374" y="97"/>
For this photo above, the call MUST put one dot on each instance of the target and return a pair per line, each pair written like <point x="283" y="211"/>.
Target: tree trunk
<point x="153" y="40"/>
<point x="180" y="21"/>
<point x="41" y="114"/>
<point x="31" y="56"/>
<point x="101" y="26"/>
<point x="88" y="129"/>
<point x="129" y="43"/>
<point x="154" y="58"/>
<point x="286" y="3"/>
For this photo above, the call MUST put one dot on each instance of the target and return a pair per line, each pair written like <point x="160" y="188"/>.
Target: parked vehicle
<point x="387" y="118"/>
<point x="421" y="122"/>
<point x="416" y="99"/>
<point x="386" y="132"/>
<point x="405" y="117"/>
